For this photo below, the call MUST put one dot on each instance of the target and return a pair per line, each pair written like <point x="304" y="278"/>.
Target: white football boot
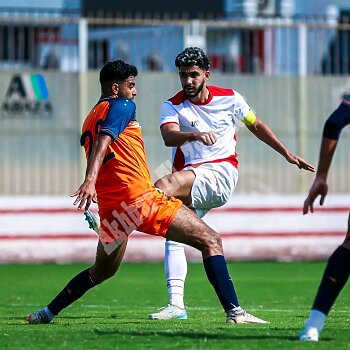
<point x="309" y="334"/>
<point x="169" y="312"/>
<point x="239" y="315"/>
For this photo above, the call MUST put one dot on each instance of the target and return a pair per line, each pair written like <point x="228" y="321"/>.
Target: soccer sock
<point x="218" y="276"/>
<point x="49" y="314"/>
<point x="316" y="319"/>
<point x="73" y="291"/>
<point x="175" y="266"/>
<point x="334" y="278"/>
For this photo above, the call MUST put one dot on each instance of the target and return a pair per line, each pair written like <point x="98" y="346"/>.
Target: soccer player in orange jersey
<point x="117" y="175"/>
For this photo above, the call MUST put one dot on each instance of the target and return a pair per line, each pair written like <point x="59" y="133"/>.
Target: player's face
<point x="127" y="89"/>
<point x="192" y="80"/>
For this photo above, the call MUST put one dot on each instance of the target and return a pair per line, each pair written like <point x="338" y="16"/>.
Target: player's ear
<point x="207" y="75"/>
<point x="115" y="88"/>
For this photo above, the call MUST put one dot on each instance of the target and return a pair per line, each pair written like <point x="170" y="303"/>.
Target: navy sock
<point x="334" y="278"/>
<point x="73" y="291"/>
<point x="216" y="269"/>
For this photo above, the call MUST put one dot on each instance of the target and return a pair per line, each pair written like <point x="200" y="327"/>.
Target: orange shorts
<point x="152" y="213"/>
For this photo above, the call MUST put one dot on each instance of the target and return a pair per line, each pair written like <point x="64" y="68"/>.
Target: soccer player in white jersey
<point x="199" y="122"/>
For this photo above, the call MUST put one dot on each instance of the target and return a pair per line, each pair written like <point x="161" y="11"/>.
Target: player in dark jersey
<point x="337" y="270"/>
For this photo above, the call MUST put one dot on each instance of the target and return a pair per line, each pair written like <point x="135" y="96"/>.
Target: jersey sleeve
<point x="168" y="114"/>
<point x="242" y="111"/>
<point x="338" y="120"/>
<point x="121" y="112"/>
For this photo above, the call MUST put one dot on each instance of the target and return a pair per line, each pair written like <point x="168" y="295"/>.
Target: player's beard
<point x="196" y="92"/>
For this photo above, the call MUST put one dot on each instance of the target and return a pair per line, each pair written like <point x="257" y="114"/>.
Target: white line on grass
<point x="193" y="308"/>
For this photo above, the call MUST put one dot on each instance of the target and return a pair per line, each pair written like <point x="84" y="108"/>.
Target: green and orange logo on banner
<point x="27" y="94"/>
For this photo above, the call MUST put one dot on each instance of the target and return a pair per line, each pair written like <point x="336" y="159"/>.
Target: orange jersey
<point x="124" y="175"/>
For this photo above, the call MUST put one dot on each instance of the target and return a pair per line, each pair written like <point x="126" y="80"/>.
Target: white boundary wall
<point x="54" y="164"/>
<point x="50" y="229"/>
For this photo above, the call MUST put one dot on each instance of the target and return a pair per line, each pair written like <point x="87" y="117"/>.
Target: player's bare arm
<point x="339" y="119"/>
<point x="174" y="137"/>
<point x="86" y="192"/>
<point x="263" y="132"/>
<point x="319" y="186"/>
<point x="337" y="270"/>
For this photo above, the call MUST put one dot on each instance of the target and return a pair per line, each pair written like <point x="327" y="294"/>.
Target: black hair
<point x="116" y="71"/>
<point x="192" y="56"/>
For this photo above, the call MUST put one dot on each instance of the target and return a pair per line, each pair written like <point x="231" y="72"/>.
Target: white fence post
<point x="302" y="44"/>
<point x="302" y="103"/>
<point x="83" y="68"/>
<point x="83" y="44"/>
<point x="194" y="35"/>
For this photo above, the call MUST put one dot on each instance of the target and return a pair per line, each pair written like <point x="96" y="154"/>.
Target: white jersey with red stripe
<point x="214" y="115"/>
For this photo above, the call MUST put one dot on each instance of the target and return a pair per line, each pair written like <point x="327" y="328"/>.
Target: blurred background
<point x="288" y="58"/>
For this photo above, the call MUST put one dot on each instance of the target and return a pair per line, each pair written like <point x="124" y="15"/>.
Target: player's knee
<point x="218" y="240"/>
<point x="101" y="275"/>
<point x="212" y="240"/>
<point x="346" y="243"/>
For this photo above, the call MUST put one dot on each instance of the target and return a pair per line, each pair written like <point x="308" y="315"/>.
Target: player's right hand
<point x="207" y="138"/>
<point x="299" y="162"/>
<point x="85" y="193"/>
<point x="318" y="188"/>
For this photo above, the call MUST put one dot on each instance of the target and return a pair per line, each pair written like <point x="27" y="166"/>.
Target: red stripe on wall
<point x="217" y="210"/>
<point x="76" y="236"/>
<point x="41" y="211"/>
<point x="56" y="236"/>
<point x="278" y="209"/>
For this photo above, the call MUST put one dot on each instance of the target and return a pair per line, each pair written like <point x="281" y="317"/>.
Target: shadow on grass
<point x="168" y="333"/>
<point x="198" y="335"/>
<point x="21" y="320"/>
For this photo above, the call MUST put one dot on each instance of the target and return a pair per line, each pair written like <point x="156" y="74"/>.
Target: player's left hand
<point x="318" y="188"/>
<point x="299" y="162"/>
<point x="85" y="193"/>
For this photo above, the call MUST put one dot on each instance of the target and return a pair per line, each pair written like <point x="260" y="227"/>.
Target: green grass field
<point x="114" y="315"/>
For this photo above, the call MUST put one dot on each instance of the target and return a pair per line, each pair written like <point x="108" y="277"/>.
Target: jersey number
<point x="88" y="135"/>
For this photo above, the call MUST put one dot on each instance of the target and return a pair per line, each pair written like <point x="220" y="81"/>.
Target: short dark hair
<point x="192" y="56"/>
<point x="116" y="71"/>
